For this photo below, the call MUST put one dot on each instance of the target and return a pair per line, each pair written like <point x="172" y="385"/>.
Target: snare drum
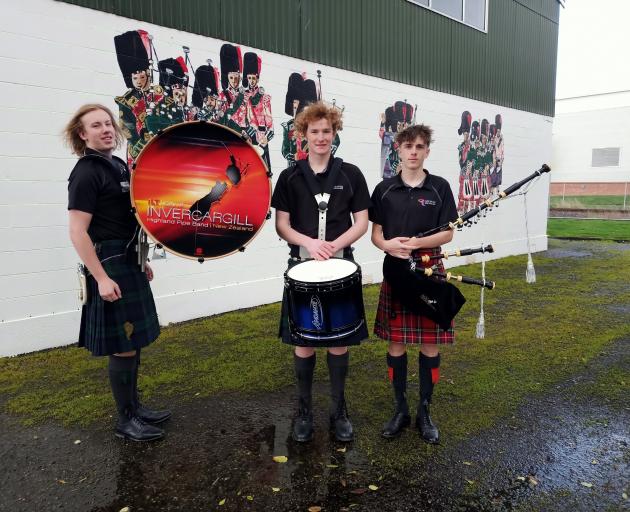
<point x="325" y="303"/>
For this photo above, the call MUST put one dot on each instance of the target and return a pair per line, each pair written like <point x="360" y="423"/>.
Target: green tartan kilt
<point x="128" y="323"/>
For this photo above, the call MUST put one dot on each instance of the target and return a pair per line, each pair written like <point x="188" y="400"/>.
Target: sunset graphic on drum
<point x="200" y="190"/>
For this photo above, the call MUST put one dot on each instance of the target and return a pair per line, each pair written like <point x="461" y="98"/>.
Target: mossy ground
<point x="536" y="335"/>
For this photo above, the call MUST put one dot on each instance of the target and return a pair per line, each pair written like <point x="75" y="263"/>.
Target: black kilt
<point x="126" y="324"/>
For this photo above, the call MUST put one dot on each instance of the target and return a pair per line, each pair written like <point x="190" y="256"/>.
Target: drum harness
<point x="322" y="197"/>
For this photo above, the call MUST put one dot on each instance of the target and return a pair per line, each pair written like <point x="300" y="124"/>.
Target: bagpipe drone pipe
<point x="427" y="291"/>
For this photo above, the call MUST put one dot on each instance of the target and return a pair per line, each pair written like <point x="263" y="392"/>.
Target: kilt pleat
<point x="395" y="323"/>
<point x="128" y="323"/>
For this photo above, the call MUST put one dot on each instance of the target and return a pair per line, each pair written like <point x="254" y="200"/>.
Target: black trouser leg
<point x="121" y="378"/>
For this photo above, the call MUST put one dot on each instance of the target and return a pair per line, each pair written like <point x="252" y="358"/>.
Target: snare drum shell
<point x="323" y="314"/>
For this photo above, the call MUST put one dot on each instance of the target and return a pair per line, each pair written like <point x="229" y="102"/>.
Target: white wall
<point x="56" y="57"/>
<point x="587" y="122"/>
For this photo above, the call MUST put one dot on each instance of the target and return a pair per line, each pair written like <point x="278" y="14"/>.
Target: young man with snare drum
<point x="119" y="317"/>
<point x="412" y="202"/>
<point x="298" y="222"/>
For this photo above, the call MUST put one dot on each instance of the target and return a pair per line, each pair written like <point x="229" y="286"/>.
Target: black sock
<point x="397" y="366"/>
<point x="338" y="370"/>
<point x="136" y="398"/>
<point x="304" y="368"/>
<point x="429" y="375"/>
<point x="121" y="378"/>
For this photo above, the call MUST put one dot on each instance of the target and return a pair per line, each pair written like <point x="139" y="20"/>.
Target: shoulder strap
<point x="322" y="197"/>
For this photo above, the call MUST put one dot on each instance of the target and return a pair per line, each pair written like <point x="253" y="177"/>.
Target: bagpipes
<point x="428" y="291"/>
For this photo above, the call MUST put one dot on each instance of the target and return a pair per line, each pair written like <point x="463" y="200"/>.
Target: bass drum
<point x="200" y="190"/>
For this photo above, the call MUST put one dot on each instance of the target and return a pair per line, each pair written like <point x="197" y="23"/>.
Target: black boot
<point x="151" y="416"/>
<point x="129" y="426"/>
<point x="303" y="424"/>
<point x="428" y="431"/>
<point x="397" y="366"/>
<point x="339" y="422"/>
<point x="429" y="375"/>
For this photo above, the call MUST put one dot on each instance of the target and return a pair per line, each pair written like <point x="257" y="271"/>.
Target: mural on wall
<point x="395" y="119"/>
<point x="234" y="98"/>
<point x="481" y="155"/>
<point x="300" y="92"/>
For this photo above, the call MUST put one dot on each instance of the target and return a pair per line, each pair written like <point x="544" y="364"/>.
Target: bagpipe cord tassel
<point x="480" y="332"/>
<point x="530" y="273"/>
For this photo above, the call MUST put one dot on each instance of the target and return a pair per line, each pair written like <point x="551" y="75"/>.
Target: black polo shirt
<point x="349" y="195"/>
<point x="100" y="186"/>
<point x="407" y="211"/>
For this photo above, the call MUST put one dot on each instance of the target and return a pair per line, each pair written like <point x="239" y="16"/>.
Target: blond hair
<point x="72" y="131"/>
<point x="315" y="112"/>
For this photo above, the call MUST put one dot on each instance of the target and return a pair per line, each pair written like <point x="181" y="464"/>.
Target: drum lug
<point x="269" y="173"/>
<point x="241" y="249"/>
<point x="268" y="216"/>
<point x="201" y="259"/>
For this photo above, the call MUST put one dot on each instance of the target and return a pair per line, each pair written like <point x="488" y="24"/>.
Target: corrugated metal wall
<point x="513" y="64"/>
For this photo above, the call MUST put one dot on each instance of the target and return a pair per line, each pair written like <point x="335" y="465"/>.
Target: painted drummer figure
<point x="119" y="317"/>
<point x="412" y="202"/>
<point x="297" y="222"/>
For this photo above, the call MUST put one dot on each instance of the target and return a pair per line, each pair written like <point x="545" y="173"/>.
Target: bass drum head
<point x="314" y="271"/>
<point x="200" y="190"/>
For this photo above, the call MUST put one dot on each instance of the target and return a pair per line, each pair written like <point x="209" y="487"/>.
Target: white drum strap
<point x="322" y="206"/>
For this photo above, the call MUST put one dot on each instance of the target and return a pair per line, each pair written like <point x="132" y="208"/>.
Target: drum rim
<point x="151" y="236"/>
<point x="292" y="279"/>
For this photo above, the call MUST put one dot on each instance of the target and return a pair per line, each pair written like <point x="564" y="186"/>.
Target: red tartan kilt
<point x="397" y="324"/>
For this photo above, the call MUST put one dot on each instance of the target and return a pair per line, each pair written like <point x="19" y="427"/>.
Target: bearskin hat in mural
<point x="133" y="52"/>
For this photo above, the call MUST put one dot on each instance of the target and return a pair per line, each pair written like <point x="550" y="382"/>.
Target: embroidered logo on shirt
<point x="426" y="202"/>
<point x="338" y="187"/>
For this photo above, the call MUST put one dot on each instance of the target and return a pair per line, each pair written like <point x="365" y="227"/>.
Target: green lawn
<point x="597" y="228"/>
<point x="606" y="202"/>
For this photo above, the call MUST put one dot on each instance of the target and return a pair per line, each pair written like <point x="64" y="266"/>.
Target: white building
<point x="56" y="57"/>
<point x="591" y="145"/>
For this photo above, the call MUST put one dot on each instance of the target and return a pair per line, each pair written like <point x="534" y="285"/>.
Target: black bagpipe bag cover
<point x="428" y="296"/>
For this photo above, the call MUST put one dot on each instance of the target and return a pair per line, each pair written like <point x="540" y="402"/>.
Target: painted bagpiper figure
<point x="496" y="176"/>
<point x="464" y="193"/>
<point x="259" y="117"/>
<point x="174" y="82"/>
<point x="300" y="93"/>
<point x="205" y="97"/>
<point x="133" y="50"/>
<point x="232" y="96"/>
<point x="395" y="120"/>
